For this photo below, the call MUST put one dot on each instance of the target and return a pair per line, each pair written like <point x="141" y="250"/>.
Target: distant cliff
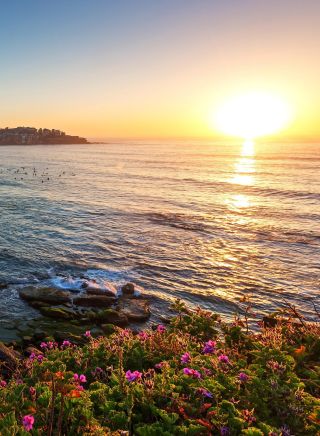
<point x="32" y="136"/>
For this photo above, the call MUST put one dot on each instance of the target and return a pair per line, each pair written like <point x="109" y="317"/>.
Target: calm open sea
<point x="205" y="222"/>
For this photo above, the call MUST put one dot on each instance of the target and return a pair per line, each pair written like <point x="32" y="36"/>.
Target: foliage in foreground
<point x="197" y="376"/>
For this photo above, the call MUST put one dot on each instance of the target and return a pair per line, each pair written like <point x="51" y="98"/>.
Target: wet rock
<point x="3" y="285"/>
<point x="96" y="291"/>
<point x="94" y="300"/>
<point x="135" y="309"/>
<point x="58" y="312"/>
<point x="38" y="304"/>
<point x="26" y="340"/>
<point x="39" y="335"/>
<point x="111" y="316"/>
<point x="45" y="294"/>
<point x="107" y="329"/>
<point x="128" y="289"/>
<point x="61" y="336"/>
<point x="9" y="358"/>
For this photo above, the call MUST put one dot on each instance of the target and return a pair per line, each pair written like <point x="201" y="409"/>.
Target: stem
<point x="53" y="397"/>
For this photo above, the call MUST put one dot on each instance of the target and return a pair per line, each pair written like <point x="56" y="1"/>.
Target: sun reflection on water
<point x="244" y="170"/>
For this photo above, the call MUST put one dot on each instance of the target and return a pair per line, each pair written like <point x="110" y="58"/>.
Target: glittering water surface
<point x="205" y="222"/>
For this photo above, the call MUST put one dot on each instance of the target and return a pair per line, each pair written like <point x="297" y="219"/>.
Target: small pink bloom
<point x="209" y="347"/>
<point x="159" y="365"/>
<point x="28" y="421"/>
<point x="192" y="372"/>
<point x="75" y="377"/>
<point x="143" y="336"/>
<point x="66" y="344"/>
<point x="3" y="383"/>
<point x="223" y="358"/>
<point x="185" y="358"/>
<point x="40" y="358"/>
<point x="32" y="391"/>
<point x="243" y="377"/>
<point x="124" y="333"/>
<point x="161" y="328"/>
<point x="32" y="356"/>
<point x="82" y="378"/>
<point x="43" y="345"/>
<point x="205" y="393"/>
<point x="132" y="376"/>
<point x="88" y="334"/>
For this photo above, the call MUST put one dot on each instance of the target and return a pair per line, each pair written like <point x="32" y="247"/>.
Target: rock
<point x="39" y="335"/>
<point x="58" y="312"/>
<point x="94" y="300"/>
<point x="45" y="295"/>
<point x="27" y="340"/>
<point x="96" y="291"/>
<point x="61" y="336"/>
<point x="107" y="329"/>
<point x="3" y="285"/>
<point x="128" y="289"/>
<point x="9" y="357"/>
<point x="111" y="316"/>
<point x="38" y="304"/>
<point x="135" y="309"/>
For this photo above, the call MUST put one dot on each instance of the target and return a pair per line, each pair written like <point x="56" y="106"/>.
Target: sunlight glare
<point x="252" y="115"/>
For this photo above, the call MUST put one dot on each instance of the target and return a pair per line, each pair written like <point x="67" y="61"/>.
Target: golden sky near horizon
<point x="160" y="71"/>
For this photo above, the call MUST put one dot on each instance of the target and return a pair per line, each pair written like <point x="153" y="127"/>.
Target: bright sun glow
<point x="251" y="115"/>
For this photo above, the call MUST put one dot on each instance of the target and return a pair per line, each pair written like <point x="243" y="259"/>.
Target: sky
<point x="151" y="68"/>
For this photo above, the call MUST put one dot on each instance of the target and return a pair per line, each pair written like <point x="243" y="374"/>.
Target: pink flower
<point x="243" y="377"/>
<point x="161" y="328"/>
<point x="43" y="345"/>
<point x="32" y="391"/>
<point x="124" y="333"/>
<point x="82" y="378"/>
<point x="40" y="358"/>
<point x="66" y="344"/>
<point x="206" y="371"/>
<point x="132" y="376"/>
<point x="143" y="336"/>
<point x="88" y="334"/>
<point x="185" y="358"/>
<point x="159" y="365"/>
<point x="223" y="358"/>
<point x="205" y="393"/>
<point x="209" y="347"/>
<point x="32" y="356"/>
<point x="3" y="383"/>
<point x="192" y="372"/>
<point x="79" y="378"/>
<point x="28" y="421"/>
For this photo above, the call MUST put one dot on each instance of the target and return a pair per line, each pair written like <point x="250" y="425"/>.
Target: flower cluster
<point x="197" y="375"/>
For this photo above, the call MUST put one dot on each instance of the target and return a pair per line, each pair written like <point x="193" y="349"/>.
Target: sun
<point x="252" y="115"/>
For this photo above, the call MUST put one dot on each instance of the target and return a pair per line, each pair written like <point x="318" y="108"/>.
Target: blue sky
<point x="103" y="60"/>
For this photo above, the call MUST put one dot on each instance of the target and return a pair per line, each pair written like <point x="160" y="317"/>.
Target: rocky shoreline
<point x="66" y="314"/>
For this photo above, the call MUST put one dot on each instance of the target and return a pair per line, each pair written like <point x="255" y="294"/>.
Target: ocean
<point x="206" y="222"/>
